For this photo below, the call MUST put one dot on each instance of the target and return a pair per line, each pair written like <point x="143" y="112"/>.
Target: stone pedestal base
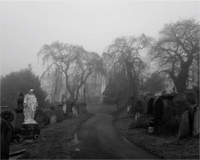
<point x="29" y="131"/>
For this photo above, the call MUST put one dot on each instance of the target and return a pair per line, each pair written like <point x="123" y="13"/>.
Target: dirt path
<point x="99" y="139"/>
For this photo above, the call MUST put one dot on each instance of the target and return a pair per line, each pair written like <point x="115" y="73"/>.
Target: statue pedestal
<point x="30" y="131"/>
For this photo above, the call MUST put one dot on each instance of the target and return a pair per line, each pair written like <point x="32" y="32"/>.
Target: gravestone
<point x="137" y="115"/>
<point x="158" y="108"/>
<point x="128" y="110"/>
<point x="82" y="107"/>
<point x="40" y="117"/>
<point x="195" y="121"/>
<point x="48" y="112"/>
<point x="150" y="105"/>
<point x="59" y="113"/>
<point x="74" y="111"/>
<point x="19" y="112"/>
<point x="53" y="119"/>
<point x="168" y="99"/>
<point x="185" y="128"/>
<point x="146" y="104"/>
<point x="64" y="108"/>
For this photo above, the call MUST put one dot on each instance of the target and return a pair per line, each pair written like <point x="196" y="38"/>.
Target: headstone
<point x="146" y="104"/>
<point x="168" y="99"/>
<point x="59" y="113"/>
<point x="74" y="111"/>
<point x="150" y="105"/>
<point x="53" y="119"/>
<point x="137" y="115"/>
<point x="64" y="108"/>
<point x="19" y="111"/>
<point x="82" y="108"/>
<point x="19" y="120"/>
<point x="40" y="117"/>
<point x="158" y="108"/>
<point x="48" y="112"/>
<point x="185" y="128"/>
<point x="195" y="120"/>
<point x="128" y="110"/>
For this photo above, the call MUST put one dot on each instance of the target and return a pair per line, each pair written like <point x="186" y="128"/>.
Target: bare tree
<point x="73" y="61"/>
<point x="177" y="49"/>
<point x="123" y="55"/>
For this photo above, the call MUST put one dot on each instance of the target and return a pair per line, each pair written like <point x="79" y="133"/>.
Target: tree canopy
<point x="122" y="56"/>
<point x="73" y="61"/>
<point x="177" y="49"/>
<point x="15" y="83"/>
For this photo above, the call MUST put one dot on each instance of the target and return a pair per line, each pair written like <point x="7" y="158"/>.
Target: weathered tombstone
<point x="19" y="112"/>
<point x="137" y="115"/>
<point x="168" y="99"/>
<point x="48" y="112"/>
<point x="150" y="105"/>
<point x="128" y="110"/>
<point x="158" y="108"/>
<point x="53" y="119"/>
<point x="146" y="104"/>
<point x="185" y="128"/>
<point x="82" y="107"/>
<point x="64" y="108"/>
<point x="40" y="117"/>
<point x="195" y="121"/>
<point x="59" y="113"/>
<point x="74" y="111"/>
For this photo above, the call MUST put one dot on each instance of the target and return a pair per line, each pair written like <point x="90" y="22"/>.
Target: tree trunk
<point x="180" y="81"/>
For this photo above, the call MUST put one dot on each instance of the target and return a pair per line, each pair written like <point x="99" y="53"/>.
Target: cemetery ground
<point x="56" y="139"/>
<point x="166" y="147"/>
<point x="54" y="142"/>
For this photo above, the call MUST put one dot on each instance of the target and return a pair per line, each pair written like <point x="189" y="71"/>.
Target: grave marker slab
<point x="185" y="128"/>
<point x="195" y="124"/>
<point x="158" y="108"/>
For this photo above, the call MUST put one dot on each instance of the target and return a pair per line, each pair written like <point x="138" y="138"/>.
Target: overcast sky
<point x="26" y="26"/>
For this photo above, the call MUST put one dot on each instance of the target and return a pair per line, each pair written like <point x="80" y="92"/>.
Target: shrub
<point x="170" y="122"/>
<point x="172" y="115"/>
<point x="142" y="122"/>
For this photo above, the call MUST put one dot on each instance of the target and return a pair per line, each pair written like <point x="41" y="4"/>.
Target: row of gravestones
<point x="153" y="106"/>
<point x="189" y="124"/>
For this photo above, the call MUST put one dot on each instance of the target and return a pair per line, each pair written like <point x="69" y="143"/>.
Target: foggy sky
<point x="26" y="26"/>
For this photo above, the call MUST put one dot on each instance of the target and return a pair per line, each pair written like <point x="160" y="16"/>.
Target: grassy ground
<point x="163" y="146"/>
<point x="54" y="142"/>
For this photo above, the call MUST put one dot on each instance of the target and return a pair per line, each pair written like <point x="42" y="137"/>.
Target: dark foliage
<point x="15" y="83"/>
<point x="142" y="122"/>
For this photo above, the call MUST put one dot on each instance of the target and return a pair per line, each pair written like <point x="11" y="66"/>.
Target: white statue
<point x="30" y="104"/>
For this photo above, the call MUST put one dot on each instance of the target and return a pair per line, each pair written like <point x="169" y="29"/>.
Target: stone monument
<point x="19" y="112"/>
<point x="30" y="126"/>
